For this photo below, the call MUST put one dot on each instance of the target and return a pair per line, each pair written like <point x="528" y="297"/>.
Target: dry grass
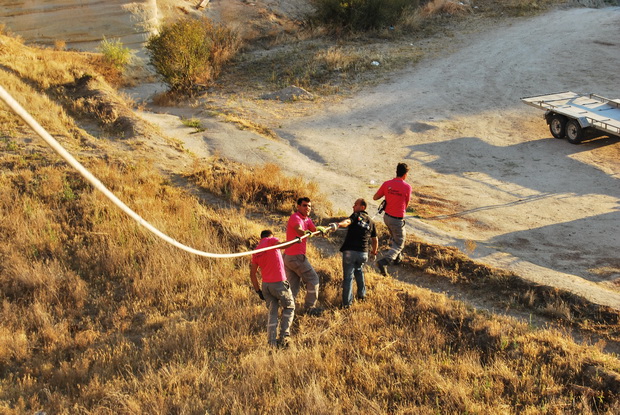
<point x="259" y="187"/>
<point x="24" y="73"/>
<point x="314" y="64"/>
<point x="100" y="317"/>
<point x="59" y="85"/>
<point x="449" y="7"/>
<point x="511" y="291"/>
<point x="244" y="124"/>
<point x="326" y="65"/>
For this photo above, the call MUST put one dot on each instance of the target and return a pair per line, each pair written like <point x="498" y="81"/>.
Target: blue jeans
<point x="353" y="266"/>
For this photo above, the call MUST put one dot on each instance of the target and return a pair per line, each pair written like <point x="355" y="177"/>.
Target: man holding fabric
<point x="397" y="194"/>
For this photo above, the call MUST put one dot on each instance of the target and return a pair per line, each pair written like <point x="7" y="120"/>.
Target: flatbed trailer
<point x="574" y="116"/>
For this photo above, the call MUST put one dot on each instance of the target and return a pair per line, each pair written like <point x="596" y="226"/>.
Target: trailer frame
<point x="574" y="116"/>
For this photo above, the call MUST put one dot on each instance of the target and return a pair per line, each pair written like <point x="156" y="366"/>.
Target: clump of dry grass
<point x="20" y="66"/>
<point x="55" y="85"/>
<point x="569" y="309"/>
<point x="449" y="7"/>
<point x="99" y="316"/>
<point x="60" y="44"/>
<point x="47" y="68"/>
<point x="244" y="124"/>
<point x="338" y="59"/>
<point x="265" y="187"/>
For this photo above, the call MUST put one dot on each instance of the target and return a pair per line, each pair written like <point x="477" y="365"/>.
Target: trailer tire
<point x="574" y="132"/>
<point x="557" y="125"/>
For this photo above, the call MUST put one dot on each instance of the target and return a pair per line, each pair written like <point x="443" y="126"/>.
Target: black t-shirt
<point x="359" y="232"/>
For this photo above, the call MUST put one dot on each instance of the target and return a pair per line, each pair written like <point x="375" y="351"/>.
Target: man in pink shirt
<point x="296" y="263"/>
<point x="397" y="193"/>
<point x="275" y="289"/>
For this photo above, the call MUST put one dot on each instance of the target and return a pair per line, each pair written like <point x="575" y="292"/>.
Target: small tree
<point x="190" y="53"/>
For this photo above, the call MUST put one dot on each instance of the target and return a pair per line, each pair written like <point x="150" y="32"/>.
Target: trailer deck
<point x="591" y="111"/>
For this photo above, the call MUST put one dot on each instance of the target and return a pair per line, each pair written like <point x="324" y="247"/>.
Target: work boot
<point x="314" y="311"/>
<point x="284" y="342"/>
<point x="382" y="265"/>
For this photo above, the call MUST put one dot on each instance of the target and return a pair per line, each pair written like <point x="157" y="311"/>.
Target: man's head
<point x="401" y="169"/>
<point x="304" y="206"/>
<point x="359" y="205"/>
<point x="266" y="234"/>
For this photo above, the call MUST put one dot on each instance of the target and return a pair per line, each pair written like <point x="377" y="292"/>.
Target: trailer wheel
<point x="557" y="125"/>
<point x="574" y="132"/>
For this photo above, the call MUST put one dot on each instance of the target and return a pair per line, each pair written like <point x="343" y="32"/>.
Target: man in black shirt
<point x="361" y="235"/>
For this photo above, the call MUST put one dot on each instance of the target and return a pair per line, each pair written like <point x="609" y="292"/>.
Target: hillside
<point x="99" y="316"/>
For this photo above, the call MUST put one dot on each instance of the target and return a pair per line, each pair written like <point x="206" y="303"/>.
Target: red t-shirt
<point x="397" y="193"/>
<point x="270" y="262"/>
<point x="293" y="221"/>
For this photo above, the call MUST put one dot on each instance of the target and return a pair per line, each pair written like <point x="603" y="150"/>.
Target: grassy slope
<point x="98" y="316"/>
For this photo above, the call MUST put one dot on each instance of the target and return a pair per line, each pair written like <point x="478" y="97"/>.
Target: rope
<point x="58" y="148"/>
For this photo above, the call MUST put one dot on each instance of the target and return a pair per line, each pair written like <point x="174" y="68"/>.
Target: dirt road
<point x="541" y="207"/>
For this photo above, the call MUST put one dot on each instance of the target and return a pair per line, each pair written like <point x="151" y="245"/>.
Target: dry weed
<point x="99" y="316"/>
<point x="47" y="112"/>
<point x="60" y="44"/>
<point x="449" y="7"/>
<point x="337" y="59"/>
<point x="245" y="124"/>
<point x="263" y="187"/>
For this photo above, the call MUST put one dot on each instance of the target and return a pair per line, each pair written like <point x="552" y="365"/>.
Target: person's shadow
<point x="528" y="172"/>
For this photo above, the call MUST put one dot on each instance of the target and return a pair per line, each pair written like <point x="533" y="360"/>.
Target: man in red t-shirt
<point x="296" y="263"/>
<point x="397" y="193"/>
<point x="275" y="289"/>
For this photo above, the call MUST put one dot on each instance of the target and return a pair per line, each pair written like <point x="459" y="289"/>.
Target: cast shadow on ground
<point x="296" y="143"/>
<point x="555" y="246"/>
<point x="543" y="165"/>
<point x="527" y="172"/>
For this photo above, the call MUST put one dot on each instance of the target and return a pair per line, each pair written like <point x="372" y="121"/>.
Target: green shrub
<point x="115" y="53"/>
<point x="190" y="53"/>
<point x="359" y="15"/>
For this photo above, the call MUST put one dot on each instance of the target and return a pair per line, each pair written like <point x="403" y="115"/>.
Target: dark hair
<point x="303" y="199"/>
<point x="401" y="169"/>
<point x="362" y="202"/>
<point x="266" y="233"/>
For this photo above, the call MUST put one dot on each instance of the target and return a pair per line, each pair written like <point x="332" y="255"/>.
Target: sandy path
<point x="541" y="207"/>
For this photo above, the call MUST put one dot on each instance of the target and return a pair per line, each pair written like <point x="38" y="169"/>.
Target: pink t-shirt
<point x="270" y="262"/>
<point x="397" y="193"/>
<point x="293" y="221"/>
